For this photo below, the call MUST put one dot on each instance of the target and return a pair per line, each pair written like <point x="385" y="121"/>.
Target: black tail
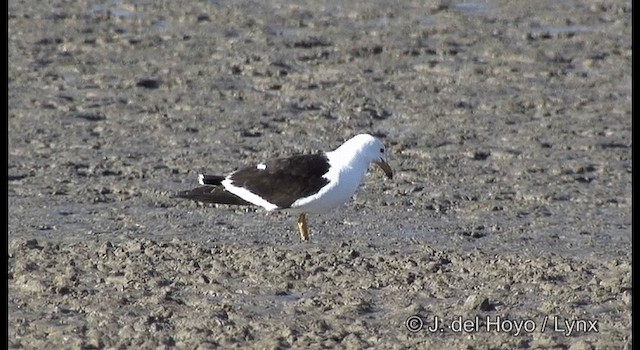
<point x="212" y="194"/>
<point x="212" y="180"/>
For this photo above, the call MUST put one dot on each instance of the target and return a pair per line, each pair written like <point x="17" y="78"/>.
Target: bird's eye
<point x="381" y="150"/>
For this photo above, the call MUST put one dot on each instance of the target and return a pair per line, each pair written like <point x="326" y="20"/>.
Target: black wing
<point x="284" y="180"/>
<point x="212" y="194"/>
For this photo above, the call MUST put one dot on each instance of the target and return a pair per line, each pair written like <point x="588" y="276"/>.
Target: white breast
<point x="344" y="178"/>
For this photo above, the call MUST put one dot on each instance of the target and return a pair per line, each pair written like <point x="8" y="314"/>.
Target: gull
<point x="301" y="184"/>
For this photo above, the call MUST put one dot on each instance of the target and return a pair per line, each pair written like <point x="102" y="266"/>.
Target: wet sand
<point x="507" y="225"/>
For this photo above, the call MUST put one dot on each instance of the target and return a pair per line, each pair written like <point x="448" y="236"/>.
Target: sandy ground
<point x="508" y="224"/>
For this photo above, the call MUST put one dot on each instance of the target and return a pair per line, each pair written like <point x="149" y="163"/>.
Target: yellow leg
<point x="302" y="227"/>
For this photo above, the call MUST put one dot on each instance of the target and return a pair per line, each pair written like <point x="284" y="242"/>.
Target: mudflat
<point x="507" y="224"/>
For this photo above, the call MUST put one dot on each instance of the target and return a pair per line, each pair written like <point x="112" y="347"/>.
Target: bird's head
<point x="371" y="149"/>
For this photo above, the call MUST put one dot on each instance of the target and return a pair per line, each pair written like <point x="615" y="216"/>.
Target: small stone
<point x="581" y="345"/>
<point x="477" y="302"/>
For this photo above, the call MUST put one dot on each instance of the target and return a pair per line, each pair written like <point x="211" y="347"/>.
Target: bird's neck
<point x="348" y="161"/>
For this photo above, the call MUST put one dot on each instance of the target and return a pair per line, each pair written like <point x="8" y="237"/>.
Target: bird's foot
<point x="303" y="227"/>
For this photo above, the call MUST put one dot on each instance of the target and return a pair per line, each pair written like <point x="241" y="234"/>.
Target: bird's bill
<point x="386" y="168"/>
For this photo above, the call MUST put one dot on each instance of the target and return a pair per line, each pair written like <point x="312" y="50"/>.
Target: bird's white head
<point x="368" y="149"/>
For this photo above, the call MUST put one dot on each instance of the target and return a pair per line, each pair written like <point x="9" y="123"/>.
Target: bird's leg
<point x="302" y="227"/>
